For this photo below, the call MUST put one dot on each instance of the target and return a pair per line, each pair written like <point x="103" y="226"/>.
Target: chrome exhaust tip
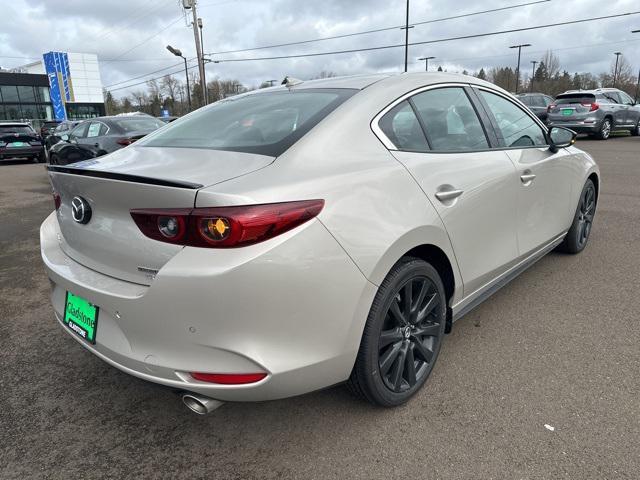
<point x="199" y="403"/>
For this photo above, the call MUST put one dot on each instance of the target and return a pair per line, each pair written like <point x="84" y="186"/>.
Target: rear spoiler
<point x="124" y="177"/>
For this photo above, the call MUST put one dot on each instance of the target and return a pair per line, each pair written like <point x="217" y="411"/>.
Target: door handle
<point x="448" y="195"/>
<point x="527" y="178"/>
<point x="96" y="145"/>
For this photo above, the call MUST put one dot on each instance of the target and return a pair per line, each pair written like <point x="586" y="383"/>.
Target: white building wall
<point x="85" y="78"/>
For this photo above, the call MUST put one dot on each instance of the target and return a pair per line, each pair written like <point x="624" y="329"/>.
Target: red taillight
<point x="592" y="106"/>
<point x="125" y="141"/>
<point x="229" y="378"/>
<point x="57" y="201"/>
<point x="225" y="227"/>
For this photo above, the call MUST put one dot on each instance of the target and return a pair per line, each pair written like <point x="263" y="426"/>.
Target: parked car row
<point x="598" y="113"/>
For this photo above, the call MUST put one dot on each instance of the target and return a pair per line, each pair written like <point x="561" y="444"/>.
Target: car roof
<point x="591" y="91"/>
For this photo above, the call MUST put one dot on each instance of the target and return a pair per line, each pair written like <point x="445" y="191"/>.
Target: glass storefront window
<point x="43" y="94"/>
<point x="27" y="94"/>
<point x="12" y="112"/>
<point x="9" y="93"/>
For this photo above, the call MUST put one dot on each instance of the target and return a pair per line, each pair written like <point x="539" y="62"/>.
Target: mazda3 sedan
<point x="297" y="237"/>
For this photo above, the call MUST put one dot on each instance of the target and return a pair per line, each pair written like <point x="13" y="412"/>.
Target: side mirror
<point x="64" y="137"/>
<point x="561" y="137"/>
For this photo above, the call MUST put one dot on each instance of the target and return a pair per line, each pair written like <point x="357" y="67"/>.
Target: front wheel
<point x="402" y="336"/>
<point x="578" y="234"/>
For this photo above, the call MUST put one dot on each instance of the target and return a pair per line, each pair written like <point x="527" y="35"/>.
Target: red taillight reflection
<point x="229" y="378"/>
<point x="57" y="200"/>
<point x="226" y="227"/>
<point x="125" y="141"/>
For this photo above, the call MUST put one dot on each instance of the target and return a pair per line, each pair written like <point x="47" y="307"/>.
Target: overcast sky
<point x="129" y="36"/>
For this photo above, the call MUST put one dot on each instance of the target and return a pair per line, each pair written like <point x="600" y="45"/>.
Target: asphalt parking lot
<point x="558" y="346"/>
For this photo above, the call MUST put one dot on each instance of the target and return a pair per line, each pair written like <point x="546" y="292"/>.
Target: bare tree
<point x="552" y="64"/>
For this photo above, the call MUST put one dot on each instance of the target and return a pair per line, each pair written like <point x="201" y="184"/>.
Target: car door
<point x="544" y="177"/>
<point x="71" y="151"/>
<point x="92" y="144"/>
<point x="632" y="114"/>
<point x="443" y="144"/>
<point x="618" y="109"/>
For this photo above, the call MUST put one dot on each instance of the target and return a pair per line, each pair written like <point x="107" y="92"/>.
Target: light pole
<point x="533" y="76"/>
<point x="519" y="47"/>
<point x="178" y="53"/>
<point x="638" y="84"/>
<point x="615" y="70"/>
<point x="426" y="62"/>
<point x="406" y="39"/>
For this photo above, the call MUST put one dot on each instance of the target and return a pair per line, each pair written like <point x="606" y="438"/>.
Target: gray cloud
<point x="111" y="28"/>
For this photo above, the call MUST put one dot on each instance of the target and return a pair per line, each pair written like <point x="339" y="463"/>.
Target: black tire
<point x="578" y="235"/>
<point x="604" y="132"/>
<point x="42" y="158"/>
<point x="53" y="159"/>
<point x="402" y="338"/>
<point x="636" y="131"/>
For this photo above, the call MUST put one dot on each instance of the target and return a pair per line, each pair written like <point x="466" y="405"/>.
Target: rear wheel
<point x="605" y="130"/>
<point x="578" y="234"/>
<point x="53" y="159"/>
<point x="636" y="130"/>
<point x="402" y="336"/>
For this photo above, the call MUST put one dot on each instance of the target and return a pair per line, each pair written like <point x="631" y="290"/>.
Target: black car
<point x="19" y="140"/>
<point x="47" y="127"/>
<point x="55" y="136"/>
<point x="537" y="103"/>
<point x="99" y="136"/>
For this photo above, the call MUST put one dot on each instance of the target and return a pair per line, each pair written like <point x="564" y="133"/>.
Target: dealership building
<point x="63" y="86"/>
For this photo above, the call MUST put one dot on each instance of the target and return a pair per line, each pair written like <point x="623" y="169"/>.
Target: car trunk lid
<point x="133" y="178"/>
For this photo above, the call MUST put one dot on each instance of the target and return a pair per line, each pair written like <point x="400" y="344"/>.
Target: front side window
<point x="450" y="121"/>
<point x="265" y="123"/>
<point x="626" y="99"/>
<point x="402" y="127"/>
<point x="80" y="131"/>
<point x="514" y="126"/>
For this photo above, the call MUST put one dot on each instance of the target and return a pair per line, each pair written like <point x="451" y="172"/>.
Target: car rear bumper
<point x="20" y="152"/>
<point x="293" y="307"/>
<point x="579" y="127"/>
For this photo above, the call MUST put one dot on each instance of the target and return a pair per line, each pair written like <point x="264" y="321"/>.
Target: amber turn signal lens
<point x="217" y="228"/>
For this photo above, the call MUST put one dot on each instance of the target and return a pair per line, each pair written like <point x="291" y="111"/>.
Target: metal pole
<point x="198" y="52"/>
<point x="518" y="69"/>
<point x="638" y="87"/>
<point x="533" y="76"/>
<point x="204" y="80"/>
<point x="406" y="40"/>
<point x="615" y="70"/>
<point x="186" y="73"/>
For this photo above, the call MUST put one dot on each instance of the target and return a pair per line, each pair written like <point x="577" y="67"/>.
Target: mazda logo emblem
<point x="80" y="210"/>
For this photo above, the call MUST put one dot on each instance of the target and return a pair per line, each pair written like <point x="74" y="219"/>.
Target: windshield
<point x="264" y="123"/>
<point x="15" y="129"/>
<point x="139" y="124"/>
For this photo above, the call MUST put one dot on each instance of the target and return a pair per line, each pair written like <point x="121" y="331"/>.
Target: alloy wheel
<point x="606" y="129"/>
<point x="585" y="217"/>
<point x="410" y="335"/>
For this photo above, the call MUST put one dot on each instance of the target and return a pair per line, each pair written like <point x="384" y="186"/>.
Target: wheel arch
<point x="593" y="176"/>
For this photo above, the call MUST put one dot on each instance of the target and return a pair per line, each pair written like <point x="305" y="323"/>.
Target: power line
<point x="147" y="74"/>
<point x="428" y="42"/>
<point x="150" y="79"/>
<point x="147" y="39"/>
<point x="366" y="32"/>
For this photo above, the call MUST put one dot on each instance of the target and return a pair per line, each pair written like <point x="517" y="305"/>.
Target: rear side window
<point x="266" y="123"/>
<point x="450" y="121"/>
<point x="515" y="127"/>
<point x="402" y="127"/>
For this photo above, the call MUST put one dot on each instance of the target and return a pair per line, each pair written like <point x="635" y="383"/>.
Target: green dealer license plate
<point x="17" y="144"/>
<point x="567" y="111"/>
<point x="81" y="317"/>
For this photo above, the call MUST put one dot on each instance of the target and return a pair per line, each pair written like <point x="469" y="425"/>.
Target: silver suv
<point x="596" y="112"/>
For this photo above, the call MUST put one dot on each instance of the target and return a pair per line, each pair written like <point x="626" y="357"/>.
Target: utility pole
<point x="406" y="39"/>
<point x="535" y="62"/>
<point x="426" y="62"/>
<point x="638" y="84"/>
<point x="519" y="47"/>
<point x="615" y="70"/>
<point x="204" y="80"/>
<point x="191" y="5"/>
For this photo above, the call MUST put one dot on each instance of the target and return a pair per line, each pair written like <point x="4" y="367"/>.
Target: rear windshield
<point x="138" y="124"/>
<point x="527" y="100"/>
<point x="15" y="129"/>
<point x="574" y="98"/>
<point x="265" y="123"/>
